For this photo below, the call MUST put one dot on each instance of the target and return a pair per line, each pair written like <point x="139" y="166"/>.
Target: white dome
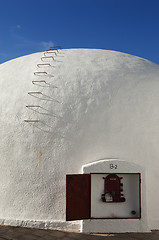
<point x="94" y="104"/>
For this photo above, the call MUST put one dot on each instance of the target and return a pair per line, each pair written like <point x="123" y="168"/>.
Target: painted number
<point x="113" y="166"/>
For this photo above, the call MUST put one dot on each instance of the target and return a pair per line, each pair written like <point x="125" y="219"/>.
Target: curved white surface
<point x="96" y="104"/>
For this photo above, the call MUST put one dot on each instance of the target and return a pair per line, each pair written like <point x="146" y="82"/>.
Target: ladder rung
<point x="55" y="48"/>
<point x="49" y="51"/>
<point x="30" y="106"/>
<point x="31" y="120"/>
<point x="34" y="92"/>
<point x="42" y="81"/>
<point x="40" y="73"/>
<point x="47" y="58"/>
<point x="44" y="64"/>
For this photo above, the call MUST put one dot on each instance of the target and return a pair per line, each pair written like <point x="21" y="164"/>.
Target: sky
<point x="29" y="26"/>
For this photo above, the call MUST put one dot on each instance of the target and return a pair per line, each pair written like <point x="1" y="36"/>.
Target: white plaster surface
<point x="100" y="209"/>
<point x="96" y="104"/>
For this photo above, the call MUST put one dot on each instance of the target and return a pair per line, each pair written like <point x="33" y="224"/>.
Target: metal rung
<point x="47" y="58"/>
<point x="30" y="106"/>
<point x="40" y="73"/>
<point x="42" y="81"/>
<point x="34" y="92"/>
<point x="55" y="47"/>
<point x="49" y="51"/>
<point x="31" y="120"/>
<point x="44" y="64"/>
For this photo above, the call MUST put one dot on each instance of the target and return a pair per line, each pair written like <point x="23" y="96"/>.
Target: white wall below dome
<point x="53" y="225"/>
<point x="97" y="104"/>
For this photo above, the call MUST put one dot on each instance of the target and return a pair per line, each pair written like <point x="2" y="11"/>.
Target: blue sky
<point x="130" y="26"/>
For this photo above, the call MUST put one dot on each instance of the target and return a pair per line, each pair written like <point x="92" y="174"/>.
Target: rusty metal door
<point x="78" y="187"/>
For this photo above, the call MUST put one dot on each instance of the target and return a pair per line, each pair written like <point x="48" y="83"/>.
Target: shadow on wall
<point x="42" y="96"/>
<point x="45" y="112"/>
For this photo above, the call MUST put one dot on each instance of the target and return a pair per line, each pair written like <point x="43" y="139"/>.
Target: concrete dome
<point x="90" y="105"/>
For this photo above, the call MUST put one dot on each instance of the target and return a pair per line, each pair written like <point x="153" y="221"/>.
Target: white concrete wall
<point x="96" y="104"/>
<point x="100" y="209"/>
